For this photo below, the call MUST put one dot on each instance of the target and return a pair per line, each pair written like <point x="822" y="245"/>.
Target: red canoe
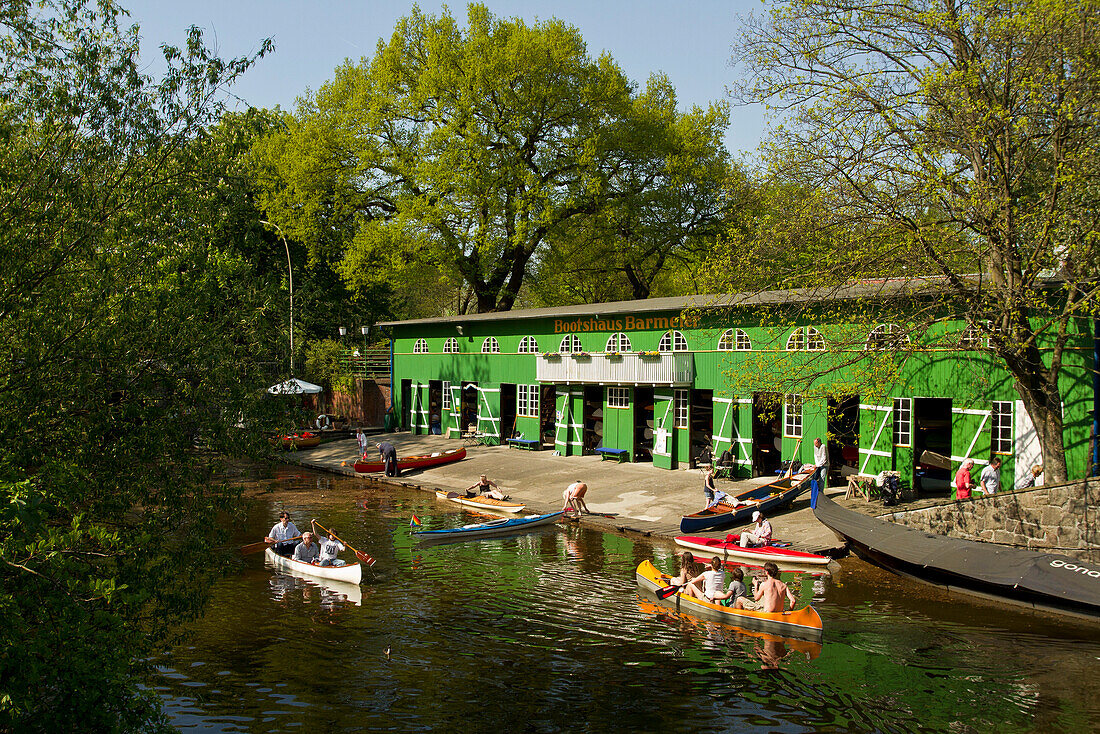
<point x="414" y="462"/>
<point x="729" y="549"/>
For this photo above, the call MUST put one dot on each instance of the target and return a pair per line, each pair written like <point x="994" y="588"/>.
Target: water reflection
<point x="328" y="593"/>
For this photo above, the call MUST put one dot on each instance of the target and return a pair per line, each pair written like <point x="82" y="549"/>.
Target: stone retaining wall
<point x="1063" y="518"/>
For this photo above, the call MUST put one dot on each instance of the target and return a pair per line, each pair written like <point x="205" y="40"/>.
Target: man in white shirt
<point x="761" y="533"/>
<point x="991" y="476"/>
<point x="821" y="464"/>
<point x="284" y="535"/>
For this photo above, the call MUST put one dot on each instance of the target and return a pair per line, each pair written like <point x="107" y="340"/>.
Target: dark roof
<point x="865" y="289"/>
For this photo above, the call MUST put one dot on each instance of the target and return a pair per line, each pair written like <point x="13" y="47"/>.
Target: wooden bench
<point x="525" y="443"/>
<point x="619" y="454"/>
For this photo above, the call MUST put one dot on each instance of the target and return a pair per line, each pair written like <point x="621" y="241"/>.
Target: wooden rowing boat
<point x="730" y="549"/>
<point x="503" y="526"/>
<point x="352" y="573"/>
<point x="408" y="463"/>
<point x="304" y="440"/>
<point x="802" y="623"/>
<point x="481" y="502"/>
<point x="766" y="498"/>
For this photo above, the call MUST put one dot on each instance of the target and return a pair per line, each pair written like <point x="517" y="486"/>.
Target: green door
<point x="488" y="413"/>
<point x="876" y="438"/>
<point x="664" y="434"/>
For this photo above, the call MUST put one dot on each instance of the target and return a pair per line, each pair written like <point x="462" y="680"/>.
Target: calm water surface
<point x="545" y="632"/>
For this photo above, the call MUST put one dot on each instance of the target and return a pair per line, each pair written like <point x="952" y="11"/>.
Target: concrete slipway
<point x="639" y="498"/>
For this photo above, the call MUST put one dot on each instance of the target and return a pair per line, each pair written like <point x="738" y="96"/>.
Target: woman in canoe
<point x="485" y="486"/>
<point x="689" y="569"/>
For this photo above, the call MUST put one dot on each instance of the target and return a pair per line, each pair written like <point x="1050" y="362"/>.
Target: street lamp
<point x="365" y="330"/>
<point x="290" y="270"/>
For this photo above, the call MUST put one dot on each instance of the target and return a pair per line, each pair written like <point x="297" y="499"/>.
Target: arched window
<point x="528" y="345"/>
<point x="886" y="336"/>
<point x="973" y="338"/>
<point x="618" y="343"/>
<point x="421" y="346"/>
<point x="571" y="343"/>
<point x="806" y="338"/>
<point x="490" y="346"/>
<point x="672" y="341"/>
<point x="450" y="346"/>
<point x="734" y="339"/>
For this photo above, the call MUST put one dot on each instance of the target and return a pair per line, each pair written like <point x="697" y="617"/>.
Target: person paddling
<point x="284" y="535"/>
<point x="329" y="548"/>
<point x="485" y="486"/>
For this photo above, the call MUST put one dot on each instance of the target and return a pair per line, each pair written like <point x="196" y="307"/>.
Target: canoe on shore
<point x="304" y="440"/>
<point x="766" y="498"/>
<point x="409" y="463"/>
<point x="729" y="549"/>
<point x="802" y="623"/>
<point x="481" y="502"/>
<point x="503" y="526"/>
<point x="352" y="573"/>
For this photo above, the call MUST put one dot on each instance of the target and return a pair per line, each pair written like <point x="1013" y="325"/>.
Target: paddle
<point x="790" y="466"/>
<point x="263" y="544"/>
<point x="363" y="557"/>
<point x="668" y="591"/>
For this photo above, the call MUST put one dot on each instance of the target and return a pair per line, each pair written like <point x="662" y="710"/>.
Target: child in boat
<point x="330" y="547"/>
<point x="769" y="594"/>
<point x="713" y="580"/>
<point x="736" y="589"/>
<point x="689" y="569"/>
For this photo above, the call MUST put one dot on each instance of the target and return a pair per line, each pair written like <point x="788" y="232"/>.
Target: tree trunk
<point x="1038" y="389"/>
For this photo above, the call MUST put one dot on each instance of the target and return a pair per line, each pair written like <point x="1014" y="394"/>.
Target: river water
<point x="545" y="632"/>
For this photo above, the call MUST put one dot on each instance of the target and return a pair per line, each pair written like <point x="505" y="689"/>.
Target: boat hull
<point x="1026" y="578"/>
<point x="802" y="623"/>
<point x="481" y="503"/>
<point x="766" y="499"/>
<point x="352" y="573"/>
<point x="503" y="526"/>
<point x="727" y="550"/>
<point x="413" y="462"/>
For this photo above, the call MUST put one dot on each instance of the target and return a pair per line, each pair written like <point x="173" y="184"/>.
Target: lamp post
<point x="290" y="271"/>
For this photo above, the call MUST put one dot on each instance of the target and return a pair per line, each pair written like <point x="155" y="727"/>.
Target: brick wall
<point x="366" y="405"/>
<point x="1063" y="518"/>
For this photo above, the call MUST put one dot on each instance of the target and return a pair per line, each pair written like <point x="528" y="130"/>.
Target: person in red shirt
<point x="963" y="481"/>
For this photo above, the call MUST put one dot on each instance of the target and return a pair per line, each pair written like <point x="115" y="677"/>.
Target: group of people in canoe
<point x="308" y="547"/>
<point x="768" y="593"/>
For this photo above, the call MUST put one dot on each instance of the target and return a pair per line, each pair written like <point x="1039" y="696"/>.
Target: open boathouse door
<point x="842" y="429"/>
<point x="767" y="433"/>
<point x="643" y="424"/>
<point x="547" y="417"/>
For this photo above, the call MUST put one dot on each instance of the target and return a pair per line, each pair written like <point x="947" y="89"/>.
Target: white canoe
<point x="480" y="503"/>
<point x="351" y="573"/>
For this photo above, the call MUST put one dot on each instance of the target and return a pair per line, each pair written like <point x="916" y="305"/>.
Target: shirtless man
<point x="575" y="493"/>
<point x="769" y="595"/>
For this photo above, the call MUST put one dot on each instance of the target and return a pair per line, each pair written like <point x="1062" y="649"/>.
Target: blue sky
<point x="689" y="41"/>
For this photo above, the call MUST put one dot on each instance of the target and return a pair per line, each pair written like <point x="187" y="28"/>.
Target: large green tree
<point x="955" y="139"/>
<point x="127" y="344"/>
<point x="462" y="154"/>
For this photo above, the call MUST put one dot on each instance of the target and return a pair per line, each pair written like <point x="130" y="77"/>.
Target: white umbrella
<point x="294" y="386"/>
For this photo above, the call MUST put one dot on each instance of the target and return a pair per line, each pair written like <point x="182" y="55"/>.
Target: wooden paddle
<point x="790" y="466"/>
<point x="262" y="545"/>
<point x="363" y="557"/>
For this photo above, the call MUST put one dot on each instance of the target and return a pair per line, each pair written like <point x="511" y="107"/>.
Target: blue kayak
<point x="502" y="526"/>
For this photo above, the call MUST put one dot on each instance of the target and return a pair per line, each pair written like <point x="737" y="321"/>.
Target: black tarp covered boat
<point x="1034" y="579"/>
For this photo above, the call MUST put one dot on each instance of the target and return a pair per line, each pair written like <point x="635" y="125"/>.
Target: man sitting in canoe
<point x="769" y="595"/>
<point x="761" y="534"/>
<point x="486" y="486"/>
<point x="307" y="551"/>
<point x="713" y="581"/>
<point x="284" y="535"/>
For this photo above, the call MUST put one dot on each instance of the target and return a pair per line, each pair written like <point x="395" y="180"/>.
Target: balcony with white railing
<point x="628" y="368"/>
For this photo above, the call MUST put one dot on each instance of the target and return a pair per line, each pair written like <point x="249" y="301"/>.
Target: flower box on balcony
<point x="551" y="355"/>
<point x="614" y="355"/>
<point x="649" y="355"/>
<point x="581" y="355"/>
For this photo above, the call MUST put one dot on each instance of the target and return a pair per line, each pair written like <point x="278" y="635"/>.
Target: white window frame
<point x="528" y="345"/>
<point x="886" y="336"/>
<point x="680" y="404"/>
<point x="1001" y="427"/>
<point x="521" y="400"/>
<point x="490" y="345"/>
<point x="570" y="344"/>
<point x="673" y="341"/>
<point x="806" y="339"/>
<point x="618" y="397"/>
<point x="421" y="346"/>
<point x="742" y="342"/>
<point x="792" y="415"/>
<point x="619" y="342"/>
<point x="447" y="396"/>
<point x="903" y="422"/>
<point x="450" y="346"/>
<point x="972" y="338"/>
<point x="727" y="341"/>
